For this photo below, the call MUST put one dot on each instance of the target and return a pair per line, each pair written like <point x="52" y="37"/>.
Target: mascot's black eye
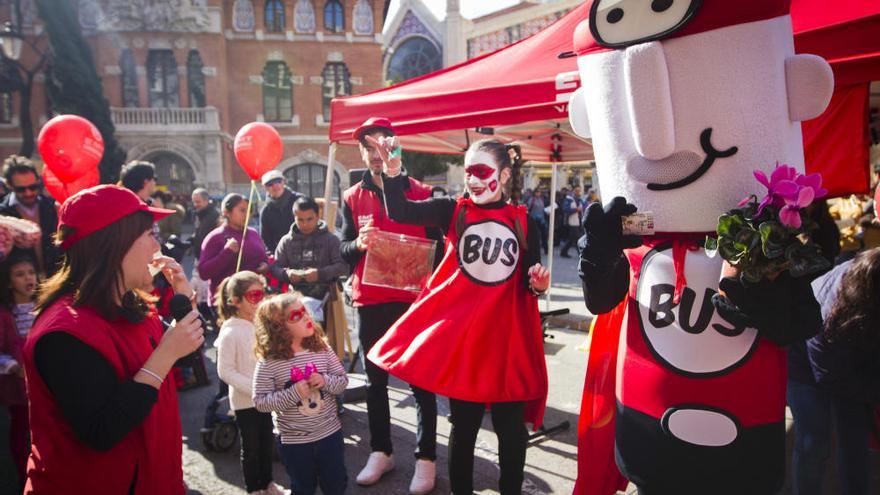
<point x="615" y="15"/>
<point x="661" y="5"/>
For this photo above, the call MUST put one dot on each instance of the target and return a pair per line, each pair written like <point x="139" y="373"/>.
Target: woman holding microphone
<point x="104" y="418"/>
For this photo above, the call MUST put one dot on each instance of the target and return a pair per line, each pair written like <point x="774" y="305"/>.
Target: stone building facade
<point x="182" y="76"/>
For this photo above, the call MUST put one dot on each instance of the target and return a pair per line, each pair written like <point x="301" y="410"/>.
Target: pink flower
<point x="813" y="181"/>
<point x="780" y="185"/>
<point x="790" y="214"/>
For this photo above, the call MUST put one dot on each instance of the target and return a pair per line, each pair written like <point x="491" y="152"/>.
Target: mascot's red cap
<point x="701" y="16"/>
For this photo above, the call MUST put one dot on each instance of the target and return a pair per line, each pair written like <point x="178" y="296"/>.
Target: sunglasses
<point x="32" y="187"/>
<point x="273" y="182"/>
<point x="480" y="171"/>
<point x="297" y="315"/>
<point x="254" y="296"/>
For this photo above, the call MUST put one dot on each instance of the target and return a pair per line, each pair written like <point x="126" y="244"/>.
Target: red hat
<point x="372" y="123"/>
<point x="92" y="209"/>
<point x="700" y="16"/>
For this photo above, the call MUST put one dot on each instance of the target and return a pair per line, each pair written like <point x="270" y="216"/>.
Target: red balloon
<point x="61" y="191"/>
<point x="258" y="148"/>
<point x="71" y="146"/>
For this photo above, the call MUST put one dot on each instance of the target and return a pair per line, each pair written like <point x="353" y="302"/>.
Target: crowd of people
<point x="95" y="332"/>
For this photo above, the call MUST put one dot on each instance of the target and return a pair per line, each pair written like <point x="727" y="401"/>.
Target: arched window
<point x="334" y="17"/>
<point x="304" y="16"/>
<point x="363" y="17"/>
<point x="414" y="57"/>
<point x="162" y="79"/>
<point x="309" y="178"/>
<point x="243" y="15"/>
<point x="195" y="79"/>
<point x="130" y="92"/>
<point x="274" y="16"/>
<point x="337" y="82"/>
<point x="277" y="92"/>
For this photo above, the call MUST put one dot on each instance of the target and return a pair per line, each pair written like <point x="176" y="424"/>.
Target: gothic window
<point x="363" y="17"/>
<point x="274" y="16"/>
<point x="195" y="79"/>
<point x="309" y="179"/>
<point x="304" y="16"/>
<point x="243" y="15"/>
<point x="414" y="57"/>
<point x="277" y="92"/>
<point x="337" y="82"/>
<point x="130" y="92"/>
<point x="334" y="17"/>
<point x="6" y="108"/>
<point x="162" y="79"/>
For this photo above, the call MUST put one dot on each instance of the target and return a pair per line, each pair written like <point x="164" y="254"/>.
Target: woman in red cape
<point x="474" y="334"/>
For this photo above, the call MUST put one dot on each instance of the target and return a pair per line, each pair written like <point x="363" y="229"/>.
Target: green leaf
<point x="752" y="274"/>
<point x="730" y="224"/>
<point x="711" y="246"/>
<point x="773" y="236"/>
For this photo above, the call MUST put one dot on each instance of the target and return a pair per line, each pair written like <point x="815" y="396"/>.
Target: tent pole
<point x="328" y="184"/>
<point x="551" y="236"/>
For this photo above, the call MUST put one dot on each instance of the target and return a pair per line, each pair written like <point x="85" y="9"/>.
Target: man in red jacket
<point x="379" y="307"/>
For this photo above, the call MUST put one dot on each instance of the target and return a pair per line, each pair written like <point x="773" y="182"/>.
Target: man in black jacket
<point x="207" y="218"/>
<point x="276" y="217"/>
<point x="25" y="201"/>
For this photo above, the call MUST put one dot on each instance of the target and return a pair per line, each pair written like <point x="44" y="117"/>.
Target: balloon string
<point x="247" y="219"/>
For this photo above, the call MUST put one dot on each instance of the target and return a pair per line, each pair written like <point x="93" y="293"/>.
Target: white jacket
<point x="236" y="361"/>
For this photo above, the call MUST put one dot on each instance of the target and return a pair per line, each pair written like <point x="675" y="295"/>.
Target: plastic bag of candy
<point x="25" y="234"/>
<point x="399" y="261"/>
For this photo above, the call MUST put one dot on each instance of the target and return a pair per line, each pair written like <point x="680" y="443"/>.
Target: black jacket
<point x="276" y="217"/>
<point x="320" y="250"/>
<point x="206" y="220"/>
<point x="48" y="225"/>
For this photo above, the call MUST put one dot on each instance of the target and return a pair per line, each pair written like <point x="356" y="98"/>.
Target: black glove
<point x="603" y="242"/>
<point x="783" y="310"/>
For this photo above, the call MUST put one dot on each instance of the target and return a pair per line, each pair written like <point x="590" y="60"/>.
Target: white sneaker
<point x="378" y="464"/>
<point x="276" y="489"/>
<point x="424" y="478"/>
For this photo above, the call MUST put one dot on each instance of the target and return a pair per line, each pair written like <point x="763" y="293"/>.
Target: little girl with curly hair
<point x="296" y="379"/>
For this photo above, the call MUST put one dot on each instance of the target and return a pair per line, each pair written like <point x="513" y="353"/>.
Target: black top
<point x="437" y="212"/>
<point x="100" y="409"/>
<point x="348" y="248"/>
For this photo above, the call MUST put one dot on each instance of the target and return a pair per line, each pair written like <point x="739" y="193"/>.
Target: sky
<point x="469" y="8"/>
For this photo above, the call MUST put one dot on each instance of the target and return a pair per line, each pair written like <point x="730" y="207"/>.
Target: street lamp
<point x="11" y="41"/>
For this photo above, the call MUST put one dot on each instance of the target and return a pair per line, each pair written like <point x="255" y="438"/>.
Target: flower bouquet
<point x="764" y="238"/>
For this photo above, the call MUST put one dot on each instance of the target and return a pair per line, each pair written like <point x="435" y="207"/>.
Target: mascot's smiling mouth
<point x="678" y="169"/>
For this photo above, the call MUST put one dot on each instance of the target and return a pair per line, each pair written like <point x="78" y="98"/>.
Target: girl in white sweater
<point x="237" y="300"/>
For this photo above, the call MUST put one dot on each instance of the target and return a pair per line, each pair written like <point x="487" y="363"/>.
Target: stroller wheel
<point x="224" y="436"/>
<point x="208" y="439"/>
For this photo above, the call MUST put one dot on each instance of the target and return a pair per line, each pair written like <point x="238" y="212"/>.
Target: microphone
<point x="180" y="306"/>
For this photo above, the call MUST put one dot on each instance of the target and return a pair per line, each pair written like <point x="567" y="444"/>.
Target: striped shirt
<point x="298" y="419"/>
<point x="24" y="317"/>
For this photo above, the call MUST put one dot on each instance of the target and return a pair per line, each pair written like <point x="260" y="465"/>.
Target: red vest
<point x="475" y="332"/>
<point x="365" y="205"/>
<point x="59" y="463"/>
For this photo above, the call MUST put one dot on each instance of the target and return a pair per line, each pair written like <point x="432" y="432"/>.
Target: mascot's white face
<point x="678" y="125"/>
<point x="483" y="179"/>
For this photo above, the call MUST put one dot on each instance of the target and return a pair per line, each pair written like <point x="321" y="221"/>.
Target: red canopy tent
<point x="521" y="91"/>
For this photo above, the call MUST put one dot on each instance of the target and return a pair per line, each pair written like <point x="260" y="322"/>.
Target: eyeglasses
<point x="32" y="187"/>
<point x="480" y="171"/>
<point x="254" y="296"/>
<point x="273" y="182"/>
<point x="297" y="315"/>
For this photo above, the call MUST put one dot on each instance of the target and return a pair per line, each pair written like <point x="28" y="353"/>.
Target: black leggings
<point x="257" y="447"/>
<point x="508" y="421"/>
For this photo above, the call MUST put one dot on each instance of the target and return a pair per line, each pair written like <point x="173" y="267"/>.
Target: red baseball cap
<point x="372" y="123"/>
<point x="92" y="209"/>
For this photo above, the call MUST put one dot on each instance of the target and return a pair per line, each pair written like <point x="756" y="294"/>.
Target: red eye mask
<point x="297" y="315"/>
<point x="480" y="171"/>
<point x="254" y="296"/>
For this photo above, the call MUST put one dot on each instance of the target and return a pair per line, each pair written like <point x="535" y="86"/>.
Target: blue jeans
<point x="315" y="464"/>
<point x="813" y="410"/>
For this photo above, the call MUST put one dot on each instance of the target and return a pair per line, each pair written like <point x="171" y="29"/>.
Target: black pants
<point x="257" y="442"/>
<point x="571" y="235"/>
<point x="508" y="421"/>
<point x="374" y="322"/>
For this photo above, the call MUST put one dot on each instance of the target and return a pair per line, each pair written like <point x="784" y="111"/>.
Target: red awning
<point x="521" y="91"/>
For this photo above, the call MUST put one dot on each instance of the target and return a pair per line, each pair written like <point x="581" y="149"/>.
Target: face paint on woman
<point x="482" y="177"/>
